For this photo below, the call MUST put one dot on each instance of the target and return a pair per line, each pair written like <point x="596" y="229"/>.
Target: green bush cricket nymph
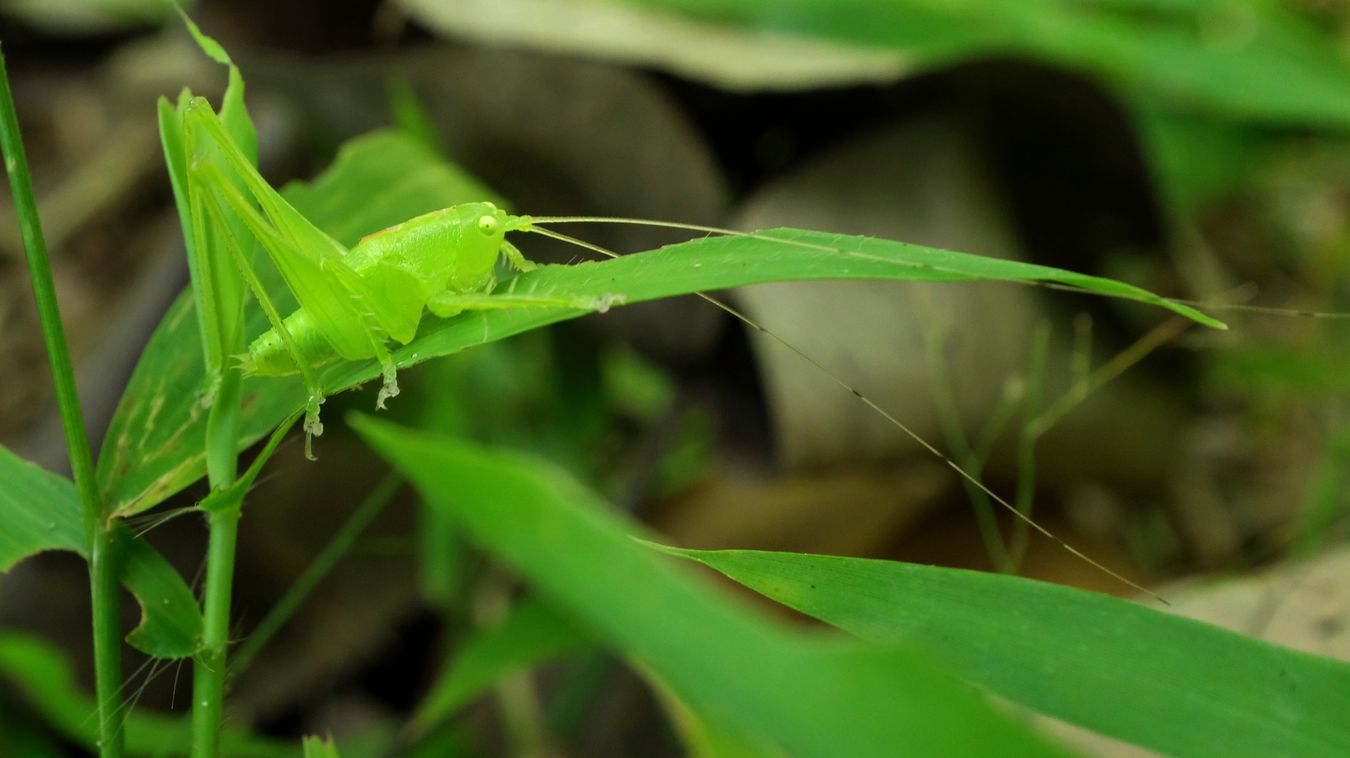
<point x="352" y="302"/>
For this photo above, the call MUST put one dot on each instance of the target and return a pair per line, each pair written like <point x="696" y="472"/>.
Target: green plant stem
<point x="1025" y="498"/>
<point x="949" y="417"/>
<point x="222" y="429"/>
<point x="208" y="678"/>
<point x="104" y="570"/>
<point x="210" y="667"/>
<point x="104" y="597"/>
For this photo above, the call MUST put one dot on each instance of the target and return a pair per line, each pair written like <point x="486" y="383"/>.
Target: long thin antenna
<point x="866" y="401"/>
<point x="634" y="222"/>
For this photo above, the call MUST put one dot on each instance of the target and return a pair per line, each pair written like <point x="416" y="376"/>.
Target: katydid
<point x="353" y="301"/>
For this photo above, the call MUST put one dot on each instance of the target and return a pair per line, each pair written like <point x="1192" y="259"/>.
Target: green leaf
<point x="145" y="464"/>
<point x="41" y="511"/>
<point x="379" y="180"/>
<point x="411" y="116"/>
<point x="1168" y="683"/>
<point x="713" y="263"/>
<point x="812" y="694"/>
<point x="1281" y="369"/>
<point x="1182" y="55"/>
<point x="707" y="737"/>
<point x="46" y="679"/>
<point x="171" y="622"/>
<point x="320" y="747"/>
<point x="1196" y="160"/>
<point x="799" y="254"/>
<point x="213" y="49"/>
<point x="730" y="59"/>
<point x="530" y="634"/>
<point x="74" y="18"/>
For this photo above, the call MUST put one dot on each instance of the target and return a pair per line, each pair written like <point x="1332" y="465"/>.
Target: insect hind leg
<point x="313" y="426"/>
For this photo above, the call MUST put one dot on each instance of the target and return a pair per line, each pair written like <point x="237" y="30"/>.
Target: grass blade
<point x="531" y="633"/>
<point x="1157" y="680"/>
<point x="99" y="536"/>
<point x="812" y="695"/>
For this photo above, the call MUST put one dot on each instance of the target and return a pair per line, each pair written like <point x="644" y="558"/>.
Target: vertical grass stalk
<point x="209" y="671"/>
<point x="103" y="551"/>
<point x="338" y="546"/>
<point x="1025" y="498"/>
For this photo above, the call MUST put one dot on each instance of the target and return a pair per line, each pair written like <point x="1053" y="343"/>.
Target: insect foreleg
<point x="516" y="258"/>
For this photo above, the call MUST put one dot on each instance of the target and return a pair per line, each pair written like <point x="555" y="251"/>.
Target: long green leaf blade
<point x="143" y="462"/>
<point x="1239" y="60"/>
<point x="812" y="694"/>
<point x="39" y="509"/>
<point x="1157" y="680"/>
<point x="798" y="254"/>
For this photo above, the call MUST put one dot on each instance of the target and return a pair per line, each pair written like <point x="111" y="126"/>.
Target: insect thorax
<point x="453" y="249"/>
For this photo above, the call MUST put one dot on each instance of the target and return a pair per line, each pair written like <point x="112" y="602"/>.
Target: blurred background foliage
<point x="1195" y="147"/>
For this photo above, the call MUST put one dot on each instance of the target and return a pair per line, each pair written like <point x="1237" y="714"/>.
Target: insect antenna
<point x="1203" y="304"/>
<point x="897" y="423"/>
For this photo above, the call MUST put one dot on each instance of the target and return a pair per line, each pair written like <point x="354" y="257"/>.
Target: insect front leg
<point x="516" y="258"/>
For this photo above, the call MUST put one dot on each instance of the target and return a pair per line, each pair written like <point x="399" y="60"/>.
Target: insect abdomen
<point x="268" y="356"/>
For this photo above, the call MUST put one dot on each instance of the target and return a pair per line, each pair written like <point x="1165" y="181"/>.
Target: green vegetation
<point x="907" y="657"/>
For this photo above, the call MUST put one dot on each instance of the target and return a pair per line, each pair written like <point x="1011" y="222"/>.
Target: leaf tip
<point x="213" y="49"/>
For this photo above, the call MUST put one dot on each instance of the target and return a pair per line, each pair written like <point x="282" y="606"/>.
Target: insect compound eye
<point x="488" y="224"/>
